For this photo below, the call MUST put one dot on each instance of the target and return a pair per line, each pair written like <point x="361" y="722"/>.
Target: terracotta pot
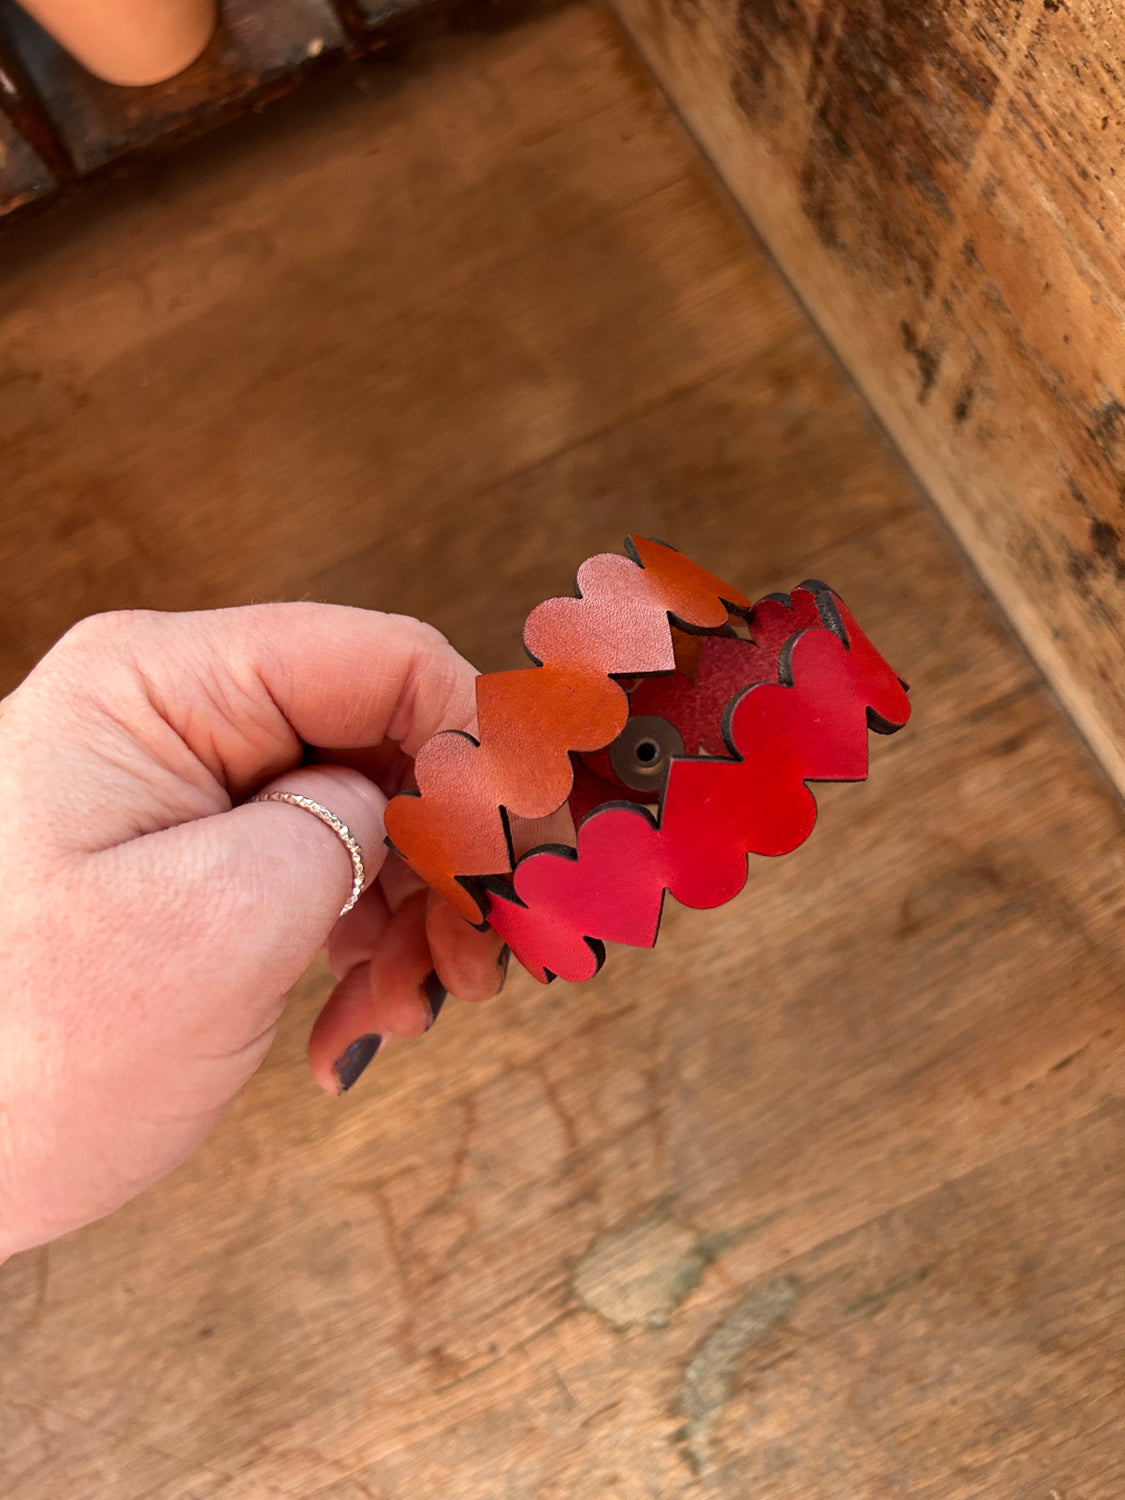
<point x="129" y="41"/>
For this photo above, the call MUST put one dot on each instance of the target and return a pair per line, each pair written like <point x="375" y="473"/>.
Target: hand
<point x="153" y="918"/>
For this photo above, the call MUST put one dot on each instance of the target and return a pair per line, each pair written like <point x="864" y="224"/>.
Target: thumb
<point x="311" y="863"/>
<point x="241" y="901"/>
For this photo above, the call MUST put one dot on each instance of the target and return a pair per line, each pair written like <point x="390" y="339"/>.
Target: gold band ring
<point x="341" y="830"/>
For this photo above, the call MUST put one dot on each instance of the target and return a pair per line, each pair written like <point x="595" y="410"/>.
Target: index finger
<point x="245" y="689"/>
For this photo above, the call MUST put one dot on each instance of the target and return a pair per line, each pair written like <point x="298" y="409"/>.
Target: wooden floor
<point x="821" y="1201"/>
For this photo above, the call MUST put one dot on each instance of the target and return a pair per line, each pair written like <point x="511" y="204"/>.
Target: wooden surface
<point x="943" y="185"/>
<point x="822" y="1200"/>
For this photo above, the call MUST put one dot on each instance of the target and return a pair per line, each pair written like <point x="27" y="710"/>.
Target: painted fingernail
<point x="350" y="1064"/>
<point x="435" y="994"/>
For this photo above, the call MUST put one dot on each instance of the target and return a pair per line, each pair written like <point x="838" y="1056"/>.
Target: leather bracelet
<point x="668" y="729"/>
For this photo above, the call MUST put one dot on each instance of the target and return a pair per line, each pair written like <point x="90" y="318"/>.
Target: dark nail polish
<point x="434" y="991"/>
<point x="503" y="961"/>
<point x="350" y="1064"/>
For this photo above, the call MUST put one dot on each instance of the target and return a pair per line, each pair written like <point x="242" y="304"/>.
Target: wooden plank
<point x="817" y="1199"/>
<point x="941" y="183"/>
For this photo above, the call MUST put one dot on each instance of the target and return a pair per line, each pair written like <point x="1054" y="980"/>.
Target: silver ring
<point x="341" y="830"/>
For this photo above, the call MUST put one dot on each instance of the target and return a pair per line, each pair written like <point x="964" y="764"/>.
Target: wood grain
<point x="822" y="1198"/>
<point x="942" y="185"/>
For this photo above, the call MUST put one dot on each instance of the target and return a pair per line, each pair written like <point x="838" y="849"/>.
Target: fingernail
<point x="503" y="961"/>
<point x="350" y="1064"/>
<point x="434" y="991"/>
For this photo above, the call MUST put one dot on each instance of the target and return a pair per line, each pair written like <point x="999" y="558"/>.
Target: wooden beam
<point x="942" y="183"/>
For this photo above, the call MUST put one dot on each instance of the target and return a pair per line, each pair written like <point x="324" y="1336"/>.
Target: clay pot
<point x="129" y="41"/>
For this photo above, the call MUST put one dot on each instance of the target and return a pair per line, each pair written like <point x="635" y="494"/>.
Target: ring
<point x="341" y="830"/>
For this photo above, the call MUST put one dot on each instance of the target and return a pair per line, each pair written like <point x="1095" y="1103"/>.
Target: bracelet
<point x="669" y="728"/>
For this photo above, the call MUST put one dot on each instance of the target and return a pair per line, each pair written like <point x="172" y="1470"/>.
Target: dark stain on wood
<point x="926" y="356"/>
<point x="1106" y="542"/>
<point x="1107" y="428"/>
<point x="764" y="28"/>
<point x="874" y="74"/>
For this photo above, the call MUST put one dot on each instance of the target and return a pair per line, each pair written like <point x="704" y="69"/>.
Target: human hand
<point x="153" y="918"/>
